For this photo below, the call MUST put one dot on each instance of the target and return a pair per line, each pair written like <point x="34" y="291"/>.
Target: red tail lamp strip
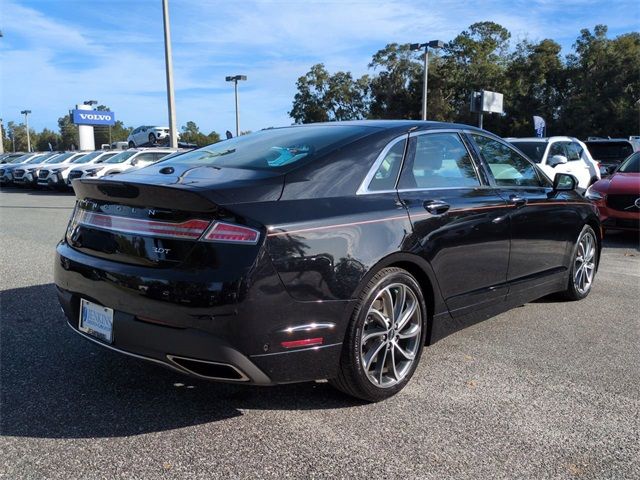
<point x="306" y="342"/>
<point x="227" y="232"/>
<point x="189" y="229"/>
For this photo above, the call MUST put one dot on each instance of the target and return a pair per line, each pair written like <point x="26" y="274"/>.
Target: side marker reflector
<point x="306" y="342"/>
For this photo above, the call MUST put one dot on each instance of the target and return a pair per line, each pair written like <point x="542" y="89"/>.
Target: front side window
<point x="557" y="148"/>
<point x="438" y="160"/>
<point x="387" y="173"/>
<point x="509" y="168"/>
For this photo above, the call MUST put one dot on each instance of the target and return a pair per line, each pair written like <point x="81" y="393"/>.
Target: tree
<point x="48" y="140"/>
<point x="396" y="90"/>
<point x="535" y="85"/>
<point x="68" y="133"/>
<point x="476" y="59"/>
<point x="18" y="132"/>
<point x="604" y="84"/>
<point x="190" y="133"/>
<point x="106" y="135"/>
<point x="323" y="97"/>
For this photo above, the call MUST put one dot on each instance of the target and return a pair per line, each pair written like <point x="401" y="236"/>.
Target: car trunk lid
<point x="159" y="225"/>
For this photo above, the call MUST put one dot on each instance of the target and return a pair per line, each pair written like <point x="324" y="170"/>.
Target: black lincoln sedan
<point x="323" y="251"/>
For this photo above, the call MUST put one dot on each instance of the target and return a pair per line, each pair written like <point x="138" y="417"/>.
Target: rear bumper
<point x="242" y="336"/>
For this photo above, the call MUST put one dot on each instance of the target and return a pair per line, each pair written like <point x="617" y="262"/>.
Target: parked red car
<point x="618" y="196"/>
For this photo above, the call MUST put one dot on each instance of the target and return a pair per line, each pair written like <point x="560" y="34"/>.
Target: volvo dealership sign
<point x="92" y="117"/>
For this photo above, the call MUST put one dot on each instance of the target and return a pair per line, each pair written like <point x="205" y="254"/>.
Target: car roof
<point x="556" y="138"/>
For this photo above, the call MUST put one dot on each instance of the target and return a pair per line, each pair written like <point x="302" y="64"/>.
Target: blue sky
<point x="56" y="53"/>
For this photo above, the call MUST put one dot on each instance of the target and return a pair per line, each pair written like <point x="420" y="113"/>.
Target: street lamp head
<point x="417" y="46"/>
<point x="90" y="102"/>
<point x="235" y="78"/>
<point x="25" y="112"/>
<point x="435" y="44"/>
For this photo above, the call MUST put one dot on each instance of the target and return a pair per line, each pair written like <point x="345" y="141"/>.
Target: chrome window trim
<point x="536" y="168"/>
<point x="469" y="153"/>
<point x="363" y="189"/>
<point x="364" y="186"/>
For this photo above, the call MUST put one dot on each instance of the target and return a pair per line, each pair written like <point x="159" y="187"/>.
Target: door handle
<point x="517" y="201"/>
<point x="436" y="207"/>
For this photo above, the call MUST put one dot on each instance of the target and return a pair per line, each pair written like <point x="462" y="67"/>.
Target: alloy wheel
<point x="585" y="263"/>
<point x="391" y="335"/>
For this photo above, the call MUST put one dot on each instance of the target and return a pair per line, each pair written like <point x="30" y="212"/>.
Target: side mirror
<point x="611" y="169"/>
<point x="564" y="182"/>
<point x="556" y="160"/>
<point x="134" y="162"/>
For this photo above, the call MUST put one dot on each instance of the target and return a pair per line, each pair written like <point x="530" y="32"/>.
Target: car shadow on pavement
<point x="622" y="239"/>
<point x="612" y="240"/>
<point x="54" y="384"/>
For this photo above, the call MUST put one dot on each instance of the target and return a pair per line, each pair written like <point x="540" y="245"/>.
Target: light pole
<point x="419" y="46"/>
<point x="26" y="122"/>
<point x="1" y="134"/>
<point x="235" y="79"/>
<point x="168" y="60"/>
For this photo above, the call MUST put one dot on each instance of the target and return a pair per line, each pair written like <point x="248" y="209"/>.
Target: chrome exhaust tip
<point x="209" y="370"/>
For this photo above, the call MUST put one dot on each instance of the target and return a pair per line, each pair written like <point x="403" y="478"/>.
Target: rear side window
<point x="508" y="167"/>
<point x="574" y="152"/>
<point x="387" y="173"/>
<point x="275" y="149"/>
<point x="438" y="160"/>
<point x="557" y="148"/>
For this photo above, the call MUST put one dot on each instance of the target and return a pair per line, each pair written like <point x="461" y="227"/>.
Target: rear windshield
<point x="610" y="151"/>
<point x="273" y="149"/>
<point x="533" y="150"/>
<point x="631" y="164"/>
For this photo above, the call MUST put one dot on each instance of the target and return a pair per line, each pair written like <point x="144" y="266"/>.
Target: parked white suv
<point x="56" y="175"/>
<point x="28" y="175"/>
<point x="560" y="155"/>
<point x="121" y="162"/>
<point x="147" y="135"/>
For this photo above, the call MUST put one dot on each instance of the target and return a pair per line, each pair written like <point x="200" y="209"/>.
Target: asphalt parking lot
<point x="548" y="390"/>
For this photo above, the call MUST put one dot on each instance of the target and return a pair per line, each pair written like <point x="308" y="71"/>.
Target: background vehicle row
<point x="58" y="169"/>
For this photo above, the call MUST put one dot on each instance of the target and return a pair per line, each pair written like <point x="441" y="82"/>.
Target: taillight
<point x="194" y="229"/>
<point x="190" y="229"/>
<point x="227" y="232"/>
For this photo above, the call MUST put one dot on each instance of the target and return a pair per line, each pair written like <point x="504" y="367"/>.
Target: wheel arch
<point x="424" y="275"/>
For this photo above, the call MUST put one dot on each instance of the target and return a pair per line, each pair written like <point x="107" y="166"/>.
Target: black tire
<point x="152" y="138"/>
<point x="573" y="291"/>
<point x="131" y="144"/>
<point x="352" y="377"/>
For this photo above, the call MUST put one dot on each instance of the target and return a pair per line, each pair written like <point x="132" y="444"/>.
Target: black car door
<point x="460" y="223"/>
<point x="542" y="224"/>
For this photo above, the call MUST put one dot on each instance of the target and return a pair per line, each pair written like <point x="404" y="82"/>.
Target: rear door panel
<point x="467" y="241"/>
